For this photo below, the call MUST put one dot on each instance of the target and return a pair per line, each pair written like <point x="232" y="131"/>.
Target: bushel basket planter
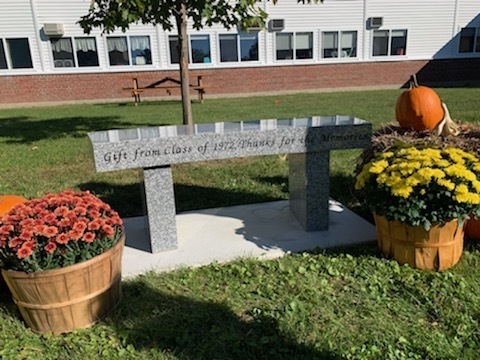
<point x="68" y="298"/>
<point x="436" y="249"/>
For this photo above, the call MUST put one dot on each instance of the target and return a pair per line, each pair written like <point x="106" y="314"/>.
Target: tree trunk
<point x="181" y="19"/>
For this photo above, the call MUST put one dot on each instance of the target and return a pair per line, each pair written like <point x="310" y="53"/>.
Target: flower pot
<point x="436" y="249"/>
<point x="68" y="298"/>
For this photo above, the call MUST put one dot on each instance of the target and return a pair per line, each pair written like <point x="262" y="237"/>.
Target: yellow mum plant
<point x="422" y="186"/>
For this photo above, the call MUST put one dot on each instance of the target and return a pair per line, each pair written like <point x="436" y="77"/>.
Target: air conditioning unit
<point x="376" y="22"/>
<point x="277" y="24"/>
<point x="53" y="29"/>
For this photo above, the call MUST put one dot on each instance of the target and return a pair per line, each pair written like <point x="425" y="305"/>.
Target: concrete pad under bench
<point x="263" y="230"/>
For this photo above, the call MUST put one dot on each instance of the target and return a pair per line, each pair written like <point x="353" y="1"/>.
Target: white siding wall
<point x="429" y="24"/>
<point x="16" y="21"/>
<point x="433" y="28"/>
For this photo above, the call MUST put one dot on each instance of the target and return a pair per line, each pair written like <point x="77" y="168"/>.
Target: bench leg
<point x="161" y="211"/>
<point x="309" y="181"/>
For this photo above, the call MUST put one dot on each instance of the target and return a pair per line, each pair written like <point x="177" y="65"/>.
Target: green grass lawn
<point x="349" y="303"/>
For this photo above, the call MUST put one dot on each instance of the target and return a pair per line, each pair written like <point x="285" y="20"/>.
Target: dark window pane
<point x="174" y="52"/>
<point x="62" y="52"/>
<point x="19" y="53"/>
<point x="466" y="40"/>
<point x="141" y="52"/>
<point x="117" y="50"/>
<point x="200" y="48"/>
<point x="477" y="47"/>
<point x="86" y="51"/>
<point x="249" y="47"/>
<point x="3" y="60"/>
<point x="380" y="43"/>
<point x="399" y="42"/>
<point x="228" y="48"/>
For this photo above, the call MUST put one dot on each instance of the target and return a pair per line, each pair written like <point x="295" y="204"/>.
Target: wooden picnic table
<point x="168" y="84"/>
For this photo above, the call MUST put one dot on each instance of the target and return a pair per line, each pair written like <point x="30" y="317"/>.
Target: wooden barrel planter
<point x="436" y="249"/>
<point x="64" y="299"/>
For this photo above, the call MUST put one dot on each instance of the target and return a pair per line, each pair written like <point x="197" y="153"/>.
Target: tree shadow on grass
<point x="199" y="329"/>
<point x="26" y="130"/>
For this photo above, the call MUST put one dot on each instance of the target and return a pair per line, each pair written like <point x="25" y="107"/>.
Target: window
<point x="3" y="59"/>
<point x="62" y="52"/>
<point x="304" y="45"/>
<point x="339" y="44"/>
<point x="231" y="45"/>
<point x="117" y="51"/>
<point x="86" y="51"/>
<point x="393" y="42"/>
<point x="65" y="55"/>
<point x="284" y="43"/>
<point x="133" y="50"/>
<point x="200" y="45"/>
<point x="294" y="45"/>
<point x="15" y="54"/>
<point x="469" y="40"/>
<point x="141" y="53"/>
<point x="198" y="51"/>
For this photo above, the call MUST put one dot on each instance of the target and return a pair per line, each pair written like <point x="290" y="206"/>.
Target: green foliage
<point x="120" y="14"/>
<point x="348" y="303"/>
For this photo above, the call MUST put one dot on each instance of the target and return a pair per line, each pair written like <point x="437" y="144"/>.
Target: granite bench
<point x="308" y="142"/>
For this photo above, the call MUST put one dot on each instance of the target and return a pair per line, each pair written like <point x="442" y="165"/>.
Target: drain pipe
<point x="36" y="26"/>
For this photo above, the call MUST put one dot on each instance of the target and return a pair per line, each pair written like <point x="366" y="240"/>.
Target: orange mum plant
<point x="57" y="230"/>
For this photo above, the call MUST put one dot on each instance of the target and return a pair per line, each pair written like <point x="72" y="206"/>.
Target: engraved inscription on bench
<point x="155" y="149"/>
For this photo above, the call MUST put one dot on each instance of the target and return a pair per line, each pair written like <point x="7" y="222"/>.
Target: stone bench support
<point x="155" y="149"/>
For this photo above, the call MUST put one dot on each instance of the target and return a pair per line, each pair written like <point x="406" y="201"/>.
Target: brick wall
<point x="108" y="86"/>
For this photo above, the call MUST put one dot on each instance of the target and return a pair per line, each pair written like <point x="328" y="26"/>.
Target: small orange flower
<point x="108" y="230"/>
<point x="26" y="235"/>
<point x="75" y="234"/>
<point x="24" y="252"/>
<point x="88" y="237"/>
<point x="62" y="238"/>
<point x="14" y="242"/>
<point x="50" y="231"/>
<point x="50" y="247"/>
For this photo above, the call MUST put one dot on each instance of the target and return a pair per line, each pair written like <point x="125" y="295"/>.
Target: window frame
<point x="294" y="50"/>
<point x="389" y="43"/>
<point x="339" y="52"/>
<point x="75" y="50"/>
<point x="238" y="43"/>
<point x="129" y="51"/>
<point x="190" y="51"/>
<point x="8" y="55"/>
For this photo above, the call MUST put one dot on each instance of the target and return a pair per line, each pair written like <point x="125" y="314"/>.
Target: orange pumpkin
<point x="472" y="228"/>
<point x="419" y="107"/>
<point x="7" y="202"/>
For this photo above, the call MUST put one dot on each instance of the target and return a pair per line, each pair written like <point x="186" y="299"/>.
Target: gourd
<point x="7" y="202"/>
<point x="419" y="107"/>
